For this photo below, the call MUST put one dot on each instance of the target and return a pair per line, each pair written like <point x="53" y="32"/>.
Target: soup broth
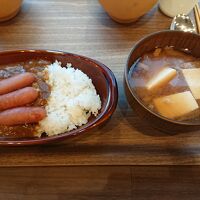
<point x="167" y="81"/>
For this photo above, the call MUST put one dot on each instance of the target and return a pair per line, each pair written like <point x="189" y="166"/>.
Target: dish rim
<point x="110" y="107"/>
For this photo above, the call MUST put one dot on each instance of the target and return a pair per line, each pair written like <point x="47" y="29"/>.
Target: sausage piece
<point x="16" y="82"/>
<point x="18" y="98"/>
<point x="22" y="115"/>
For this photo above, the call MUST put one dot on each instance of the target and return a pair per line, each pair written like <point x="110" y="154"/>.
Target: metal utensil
<point x="183" y="22"/>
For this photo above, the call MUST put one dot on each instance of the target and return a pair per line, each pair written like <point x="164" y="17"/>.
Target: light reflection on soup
<point x="167" y="81"/>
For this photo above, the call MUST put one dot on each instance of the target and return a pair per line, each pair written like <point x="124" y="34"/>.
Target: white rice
<point x="72" y="100"/>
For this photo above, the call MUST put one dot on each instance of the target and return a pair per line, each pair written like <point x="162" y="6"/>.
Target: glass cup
<point x="172" y="8"/>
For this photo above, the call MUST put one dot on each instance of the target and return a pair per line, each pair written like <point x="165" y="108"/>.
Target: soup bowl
<point x="127" y="11"/>
<point x="101" y="76"/>
<point x="178" y="40"/>
<point x="9" y="9"/>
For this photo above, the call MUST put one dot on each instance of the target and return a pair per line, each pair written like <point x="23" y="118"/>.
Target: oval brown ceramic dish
<point x="179" y="40"/>
<point x="102" y="77"/>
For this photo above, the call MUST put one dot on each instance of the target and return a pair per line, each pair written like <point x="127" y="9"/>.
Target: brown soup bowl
<point x="179" y="40"/>
<point x="102" y="78"/>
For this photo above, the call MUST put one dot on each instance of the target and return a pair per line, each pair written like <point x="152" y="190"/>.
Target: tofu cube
<point x="192" y="77"/>
<point x="177" y="106"/>
<point x="161" y="79"/>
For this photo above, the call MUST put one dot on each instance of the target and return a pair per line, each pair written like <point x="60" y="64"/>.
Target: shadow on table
<point x="133" y="120"/>
<point x="140" y="125"/>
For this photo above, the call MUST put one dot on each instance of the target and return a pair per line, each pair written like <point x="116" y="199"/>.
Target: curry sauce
<point x="37" y="68"/>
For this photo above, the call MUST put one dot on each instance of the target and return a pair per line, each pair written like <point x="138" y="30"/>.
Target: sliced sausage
<point x="22" y="115"/>
<point x="18" y="98"/>
<point x="16" y="82"/>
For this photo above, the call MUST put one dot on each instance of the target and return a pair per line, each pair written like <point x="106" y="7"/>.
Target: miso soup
<point x="167" y="81"/>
